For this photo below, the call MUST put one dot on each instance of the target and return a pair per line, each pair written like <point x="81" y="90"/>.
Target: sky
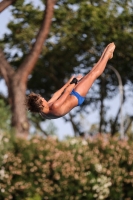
<point x="63" y="128"/>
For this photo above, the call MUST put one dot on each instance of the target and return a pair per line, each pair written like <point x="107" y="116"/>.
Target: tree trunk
<point x="102" y="97"/>
<point x="17" y="90"/>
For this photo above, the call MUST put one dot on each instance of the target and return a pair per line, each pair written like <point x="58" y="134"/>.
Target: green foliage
<point x="36" y="197"/>
<point x="6" y="144"/>
<point x="40" y="169"/>
<point x="23" y="27"/>
<point x="5" y="116"/>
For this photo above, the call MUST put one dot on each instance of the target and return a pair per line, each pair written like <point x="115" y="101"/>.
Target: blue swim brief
<point x="80" y="98"/>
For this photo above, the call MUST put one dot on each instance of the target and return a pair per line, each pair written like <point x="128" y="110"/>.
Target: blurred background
<point x="76" y="38"/>
<point x="42" y="44"/>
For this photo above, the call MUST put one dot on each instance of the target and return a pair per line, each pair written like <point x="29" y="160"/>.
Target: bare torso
<point x="57" y="112"/>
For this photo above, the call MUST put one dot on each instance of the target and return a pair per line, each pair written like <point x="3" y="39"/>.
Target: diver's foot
<point x="109" y="50"/>
<point x="103" y="54"/>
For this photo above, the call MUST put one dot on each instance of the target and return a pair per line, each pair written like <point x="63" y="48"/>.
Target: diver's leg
<point x="86" y="82"/>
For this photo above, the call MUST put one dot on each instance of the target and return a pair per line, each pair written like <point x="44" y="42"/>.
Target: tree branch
<point x="129" y="125"/>
<point x="113" y="128"/>
<point x="5" y="3"/>
<point x="102" y="97"/>
<point x="5" y="69"/>
<point x="27" y="66"/>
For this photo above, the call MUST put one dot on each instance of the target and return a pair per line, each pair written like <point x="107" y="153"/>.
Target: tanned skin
<point x="62" y="102"/>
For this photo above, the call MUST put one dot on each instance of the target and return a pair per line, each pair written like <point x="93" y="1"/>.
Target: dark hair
<point x="34" y="102"/>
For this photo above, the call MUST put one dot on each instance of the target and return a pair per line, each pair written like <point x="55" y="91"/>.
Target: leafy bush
<point x="40" y="169"/>
<point x="5" y="116"/>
